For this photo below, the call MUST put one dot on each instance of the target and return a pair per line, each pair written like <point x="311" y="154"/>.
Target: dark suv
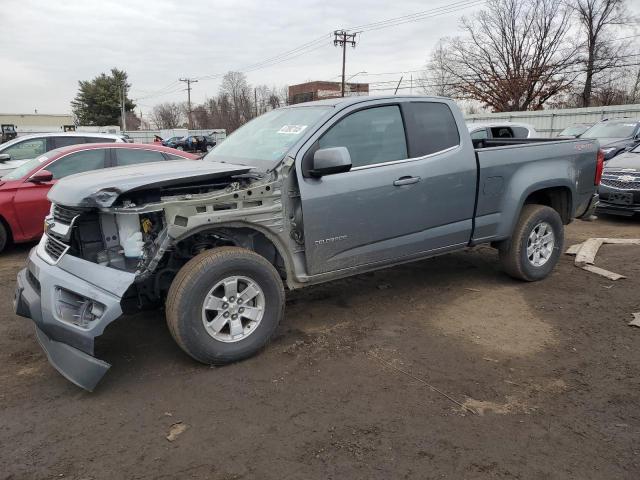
<point x="615" y="136"/>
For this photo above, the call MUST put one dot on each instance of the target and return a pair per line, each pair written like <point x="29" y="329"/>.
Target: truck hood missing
<point x="101" y="188"/>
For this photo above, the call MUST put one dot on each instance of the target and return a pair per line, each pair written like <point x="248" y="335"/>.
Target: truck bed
<point x="507" y="167"/>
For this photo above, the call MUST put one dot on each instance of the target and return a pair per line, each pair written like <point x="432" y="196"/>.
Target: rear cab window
<point x="432" y="128"/>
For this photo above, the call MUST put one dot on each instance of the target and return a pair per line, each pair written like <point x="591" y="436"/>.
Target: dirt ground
<point x="444" y="368"/>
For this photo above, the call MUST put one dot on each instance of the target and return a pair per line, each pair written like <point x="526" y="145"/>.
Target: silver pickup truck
<point x="300" y="195"/>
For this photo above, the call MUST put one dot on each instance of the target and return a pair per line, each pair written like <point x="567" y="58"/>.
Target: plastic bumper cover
<point x="68" y="312"/>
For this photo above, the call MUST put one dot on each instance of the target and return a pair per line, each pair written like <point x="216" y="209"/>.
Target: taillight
<point x="599" y="167"/>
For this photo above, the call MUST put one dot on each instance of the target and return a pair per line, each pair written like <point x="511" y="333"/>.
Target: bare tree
<point x="514" y="55"/>
<point x="596" y="18"/>
<point x="168" y="115"/>
<point x="235" y="87"/>
<point x="437" y="79"/>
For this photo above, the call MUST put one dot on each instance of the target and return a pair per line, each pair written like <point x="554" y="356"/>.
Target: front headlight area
<point x="76" y="309"/>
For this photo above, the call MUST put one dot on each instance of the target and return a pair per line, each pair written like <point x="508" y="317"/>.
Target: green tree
<point x="98" y="101"/>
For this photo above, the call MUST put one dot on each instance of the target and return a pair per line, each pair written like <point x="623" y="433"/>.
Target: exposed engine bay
<point x="153" y="232"/>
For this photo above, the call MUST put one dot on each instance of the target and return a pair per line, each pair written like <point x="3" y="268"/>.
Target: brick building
<point x="307" y="92"/>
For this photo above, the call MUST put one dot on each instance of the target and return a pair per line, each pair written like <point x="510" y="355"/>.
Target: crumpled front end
<point x="95" y="263"/>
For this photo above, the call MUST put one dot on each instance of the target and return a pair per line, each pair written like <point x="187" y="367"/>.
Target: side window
<point x="374" y="135"/>
<point x="27" y="149"/>
<point x="125" y="156"/>
<point x="66" y="141"/>
<point x="501" y="132"/>
<point x="99" y="140"/>
<point x="433" y="128"/>
<point x="77" y="163"/>
<point x="520" y="132"/>
<point x="480" y="134"/>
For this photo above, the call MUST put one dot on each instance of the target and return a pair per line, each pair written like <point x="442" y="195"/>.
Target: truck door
<point x="411" y="189"/>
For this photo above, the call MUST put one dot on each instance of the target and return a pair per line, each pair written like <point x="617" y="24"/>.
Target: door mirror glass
<point x="4" y="157"/>
<point x="41" y="176"/>
<point x="330" y="160"/>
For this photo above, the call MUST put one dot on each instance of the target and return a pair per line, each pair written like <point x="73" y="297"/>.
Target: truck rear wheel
<point x="535" y="246"/>
<point x="224" y="305"/>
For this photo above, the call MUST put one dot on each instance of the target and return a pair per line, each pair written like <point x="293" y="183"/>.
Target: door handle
<point x="406" y="181"/>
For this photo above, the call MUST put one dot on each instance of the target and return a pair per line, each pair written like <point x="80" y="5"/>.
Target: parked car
<point x="482" y="131"/>
<point x="171" y="142"/>
<point x="620" y="186"/>
<point x="615" y="136"/>
<point x="192" y="143"/>
<point x="23" y="192"/>
<point x="300" y="195"/>
<point x="21" y="149"/>
<point x="575" y="130"/>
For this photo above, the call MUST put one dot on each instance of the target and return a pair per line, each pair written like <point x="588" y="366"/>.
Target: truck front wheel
<point x="535" y="246"/>
<point x="224" y="305"/>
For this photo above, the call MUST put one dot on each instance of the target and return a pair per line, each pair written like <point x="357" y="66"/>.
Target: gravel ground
<point x="440" y="369"/>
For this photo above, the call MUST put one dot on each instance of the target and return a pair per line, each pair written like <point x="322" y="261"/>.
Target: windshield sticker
<point x="292" y="129"/>
<point x="42" y="159"/>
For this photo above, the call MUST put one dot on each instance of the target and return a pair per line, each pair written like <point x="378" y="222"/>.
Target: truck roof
<point x="343" y="101"/>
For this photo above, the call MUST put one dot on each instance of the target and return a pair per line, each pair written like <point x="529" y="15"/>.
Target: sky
<point x="47" y="46"/>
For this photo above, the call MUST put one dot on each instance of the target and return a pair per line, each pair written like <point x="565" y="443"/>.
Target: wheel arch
<point x="252" y="237"/>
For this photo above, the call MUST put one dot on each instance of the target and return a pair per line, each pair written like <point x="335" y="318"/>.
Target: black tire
<point x="4" y="237"/>
<point x="513" y="252"/>
<point x="192" y="285"/>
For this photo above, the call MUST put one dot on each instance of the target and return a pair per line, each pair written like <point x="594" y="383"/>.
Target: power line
<point x="418" y="16"/>
<point x="478" y="79"/>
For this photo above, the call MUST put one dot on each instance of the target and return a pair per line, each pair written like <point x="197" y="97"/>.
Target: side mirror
<point x="330" y="160"/>
<point x="41" y="176"/>
<point x="4" y="157"/>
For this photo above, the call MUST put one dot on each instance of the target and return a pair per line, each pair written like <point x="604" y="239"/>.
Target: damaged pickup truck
<point x="300" y="195"/>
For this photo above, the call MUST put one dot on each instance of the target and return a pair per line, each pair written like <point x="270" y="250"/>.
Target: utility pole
<point x="188" y="81"/>
<point x="122" y="109"/>
<point x="342" y="38"/>
<point x="255" y="99"/>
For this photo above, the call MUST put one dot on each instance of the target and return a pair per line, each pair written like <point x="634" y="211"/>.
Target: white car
<point x="486" y="131"/>
<point x="22" y="149"/>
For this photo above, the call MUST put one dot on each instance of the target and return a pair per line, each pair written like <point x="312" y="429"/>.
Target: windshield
<point x="611" y="130"/>
<point x="267" y="137"/>
<point x="25" y="168"/>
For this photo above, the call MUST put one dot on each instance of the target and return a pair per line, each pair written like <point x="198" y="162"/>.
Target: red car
<point x="23" y="192"/>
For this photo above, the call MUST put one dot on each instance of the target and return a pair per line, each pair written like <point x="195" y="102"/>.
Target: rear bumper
<point x="69" y="313"/>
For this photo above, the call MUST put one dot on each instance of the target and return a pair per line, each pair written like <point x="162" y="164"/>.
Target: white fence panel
<point x="549" y="123"/>
<point x="147" y="136"/>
